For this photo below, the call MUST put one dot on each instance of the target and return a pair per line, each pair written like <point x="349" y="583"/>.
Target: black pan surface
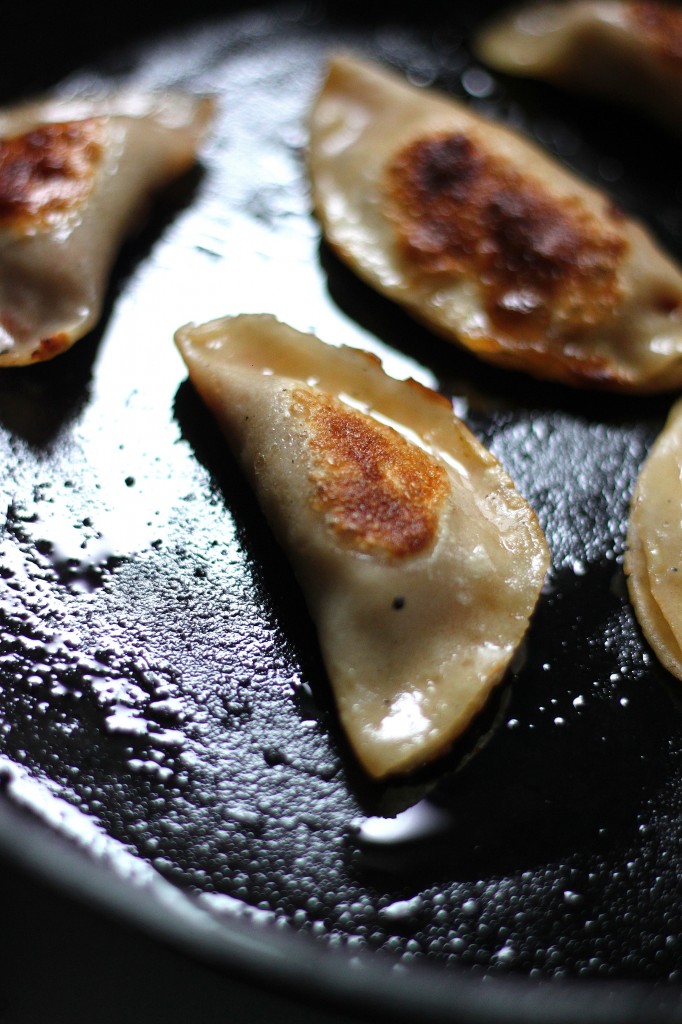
<point x="168" y="743"/>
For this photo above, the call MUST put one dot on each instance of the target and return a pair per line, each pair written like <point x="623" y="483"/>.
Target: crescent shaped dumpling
<point x="419" y="561"/>
<point x="625" y="51"/>
<point x="653" y="558"/>
<point x="75" y="177"/>
<point x="488" y="240"/>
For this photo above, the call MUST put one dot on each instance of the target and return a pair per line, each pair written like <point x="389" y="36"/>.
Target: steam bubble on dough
<point x="653" y="559"/>
<point x="75" y="178"/>
<point x="419" y="561"/>
<point x="489" y="241"/>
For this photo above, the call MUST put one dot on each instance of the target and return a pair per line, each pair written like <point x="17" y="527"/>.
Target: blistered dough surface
<point x="47" y="172"/>
<point x="459" y="210"/>
<point x="377" y="491"/>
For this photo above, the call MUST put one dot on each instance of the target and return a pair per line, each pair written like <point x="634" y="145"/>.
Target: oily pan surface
<point x="161" y="691"/>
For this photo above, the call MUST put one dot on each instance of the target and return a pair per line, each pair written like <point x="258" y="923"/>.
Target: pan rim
<point x="295" y="965"/>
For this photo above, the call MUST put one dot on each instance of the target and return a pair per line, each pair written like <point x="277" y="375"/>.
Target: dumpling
<point x="488" y="240"/>
<point x="627" y="51"/>
<point x="653" y="559"/>
<point x="75" y="177"/>
<point x="419" y="562"/>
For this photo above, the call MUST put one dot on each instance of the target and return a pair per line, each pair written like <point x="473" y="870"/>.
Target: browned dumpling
<point x="653" y="560"/>
<point x="626" y="51"/>
<point x="419" y="562"/>
<point x="488" y="240"/>
<point x="75" y="177"/>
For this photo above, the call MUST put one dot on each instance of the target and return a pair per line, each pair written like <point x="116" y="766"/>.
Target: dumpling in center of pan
<point x="419" y="561"/>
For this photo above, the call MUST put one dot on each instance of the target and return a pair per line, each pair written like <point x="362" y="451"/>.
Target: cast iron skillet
<point x="168" y="744"/>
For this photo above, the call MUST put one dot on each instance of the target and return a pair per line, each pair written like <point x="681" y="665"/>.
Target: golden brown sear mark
<point x="660" y="26"/>
<point x="540" y="260"/>
<point x="47" y="172"/>
<point x="378" y="492"/>
<point x="50" y="347"/>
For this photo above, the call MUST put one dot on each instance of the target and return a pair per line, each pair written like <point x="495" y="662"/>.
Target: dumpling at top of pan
<point x="625" y="51"/>
<point x="487" y="239"/>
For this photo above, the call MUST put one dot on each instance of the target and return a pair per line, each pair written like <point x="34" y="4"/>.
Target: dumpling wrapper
<point x="75" y="179"/>
<point x="625" y="51"/>
<point x="488" y="240"/>
<point x="653" y="558"/>
<point x="419" y="561"/>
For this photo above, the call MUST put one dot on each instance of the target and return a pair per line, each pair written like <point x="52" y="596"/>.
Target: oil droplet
<point x="610" y="169"/>
<point x="124" y="721"/>
<point x="418" y="822"/>
<point x="470" y="908"/>
<point x="401" y="909"/>
<point x="478" y="83"/>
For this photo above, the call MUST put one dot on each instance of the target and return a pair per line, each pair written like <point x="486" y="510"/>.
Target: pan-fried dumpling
<point x="75" y="177"/>
<point x="653" y="560"/>
<point x="419" y="561"/>
<point x="626" y="51"/>
<point x="492" y="243"/>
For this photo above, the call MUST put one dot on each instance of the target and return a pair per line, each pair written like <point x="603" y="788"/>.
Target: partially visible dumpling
<point x="75" y="177"/>
<point x="419" y="561"/>
<point x="487" y="239"/>
<point x="625" y="51"/>
<point x="653" y="560"/>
